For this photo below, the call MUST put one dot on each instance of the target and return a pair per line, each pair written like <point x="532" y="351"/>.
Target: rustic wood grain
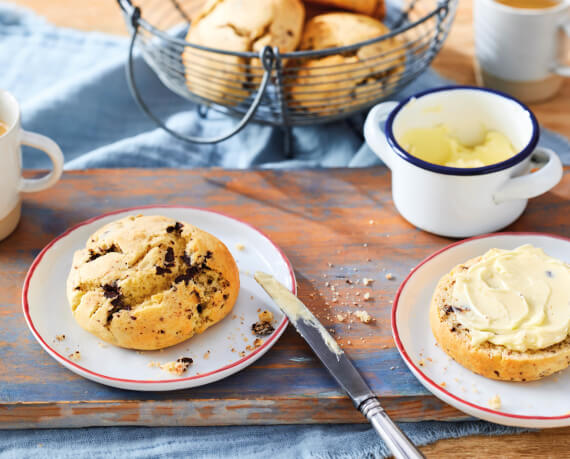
<point x="321" y="219"/>
<point x="455" y="61"/>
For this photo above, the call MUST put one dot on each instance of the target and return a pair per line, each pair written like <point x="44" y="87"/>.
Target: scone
<point x="341" y="82"/>
<point x="149" y="282"/>
<point x="238" y="25"/>
<point x="374" y="8"/>
<point x="501" y="329"/>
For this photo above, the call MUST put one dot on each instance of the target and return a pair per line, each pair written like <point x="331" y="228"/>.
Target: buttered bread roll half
<point x="243" y="26"/>
<point x="149" y="282"/>
<point x="340" y="82"/>
<point x="506" y="314"/>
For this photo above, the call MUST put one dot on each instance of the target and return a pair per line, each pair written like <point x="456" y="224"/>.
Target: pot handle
<point x="535" y="183"/>
<point x="374" y="135"/>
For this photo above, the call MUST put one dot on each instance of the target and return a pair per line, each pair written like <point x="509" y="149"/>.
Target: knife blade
<point x="339" y="365"/>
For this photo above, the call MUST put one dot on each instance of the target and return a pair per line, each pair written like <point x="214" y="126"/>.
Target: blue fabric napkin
<point x="72" y="87"/>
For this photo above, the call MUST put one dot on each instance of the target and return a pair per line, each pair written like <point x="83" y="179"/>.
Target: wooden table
<point x="455" y="62"/>
<point x="334" y="225"/>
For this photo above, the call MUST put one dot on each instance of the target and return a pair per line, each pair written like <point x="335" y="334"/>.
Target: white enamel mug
<point x="462" y="202"/>
<point x="12" y="184"/>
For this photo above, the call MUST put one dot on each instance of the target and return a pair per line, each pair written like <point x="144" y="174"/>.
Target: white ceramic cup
<point x="521" y="51"/>
<point x="12" y="184"/>
<point x="462" y="202"/>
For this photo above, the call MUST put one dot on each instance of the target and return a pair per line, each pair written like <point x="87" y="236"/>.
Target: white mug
<point x="12" y="184"/>
<point x="521" y="51"/>
<point x="462" y="202"/>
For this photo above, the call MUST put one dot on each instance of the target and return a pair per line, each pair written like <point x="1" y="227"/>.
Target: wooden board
<point x="336" y="223"/>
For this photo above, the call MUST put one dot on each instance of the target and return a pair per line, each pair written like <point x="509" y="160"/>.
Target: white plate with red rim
<point x="219" y="352"/>
<point x="538" y="404"/>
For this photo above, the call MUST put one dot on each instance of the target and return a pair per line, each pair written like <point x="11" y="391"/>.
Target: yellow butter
<point x="437" y="146"/>
<point x="517" y="298"/>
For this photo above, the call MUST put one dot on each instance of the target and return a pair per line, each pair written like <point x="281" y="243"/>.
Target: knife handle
<point x="395" y="439"/>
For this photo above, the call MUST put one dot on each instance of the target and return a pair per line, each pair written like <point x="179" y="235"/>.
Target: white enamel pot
<point x="462" y="202"/>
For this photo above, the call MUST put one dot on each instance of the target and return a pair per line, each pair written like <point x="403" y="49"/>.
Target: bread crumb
<point x="365" y="245"/>
<point x="363" y="316"/>
<point x="207" y="354"/>
<point x="340" y="317"/>
<point x="370" y="222"/>
<point x="348" y="342"/>
<point x="495" y="402"/>
<point x="389" y="276"/>
<point x="421" y="363"/>
<point x="366" y="296"/>
<point x="103" y="345"/>
<point x="366" y="282"/>
<point x="75" y="356"/>
<point x="392" y="368"/>
<point x="265" y="316"/>
<point x="443" y="384"/>
<point x="178" y="367"/>
<point x="59" y="338"/>
<point x="240" y="246"/>
<point x="258" y="342"/>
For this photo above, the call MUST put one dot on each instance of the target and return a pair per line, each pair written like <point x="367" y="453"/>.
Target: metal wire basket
<point x="289" y="89"/>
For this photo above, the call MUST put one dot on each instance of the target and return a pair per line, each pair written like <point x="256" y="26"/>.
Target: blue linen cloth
<point x="71" y="87"/>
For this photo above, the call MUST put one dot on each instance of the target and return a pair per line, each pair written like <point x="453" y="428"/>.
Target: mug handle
<point x="50" y="148"/>
<point x="564" y="70"/>
<point x="373" y="134"/>
<point x="535" y="183"/>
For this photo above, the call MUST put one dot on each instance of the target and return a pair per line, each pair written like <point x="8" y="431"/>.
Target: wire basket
<point x="290" y="89"/>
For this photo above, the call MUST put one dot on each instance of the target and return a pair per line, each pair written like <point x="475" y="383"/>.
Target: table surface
<point x="455" y="62"/>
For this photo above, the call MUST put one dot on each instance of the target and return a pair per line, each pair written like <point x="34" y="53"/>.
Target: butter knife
<point x="339" y="366"/>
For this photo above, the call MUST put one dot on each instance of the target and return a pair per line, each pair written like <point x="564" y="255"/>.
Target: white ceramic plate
<point x="538" y="404"/>
<point x="48" y="314"/>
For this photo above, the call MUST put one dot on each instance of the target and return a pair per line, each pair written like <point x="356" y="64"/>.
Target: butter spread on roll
<point x="519" y="299"/>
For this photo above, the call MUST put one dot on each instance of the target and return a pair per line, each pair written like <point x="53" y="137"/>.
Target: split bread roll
<point x="488" y="359"/>
<point x="373" y="8"/>
<point x="242" y="26"/>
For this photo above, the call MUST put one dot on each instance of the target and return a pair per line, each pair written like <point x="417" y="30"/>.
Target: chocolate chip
<point x="289" y="32"/>
<point x="176" y="228"/>
<point x="162" y="332"/>
<point x="185" y="360"/>
<point x="111" y="290"/>
<point x="549" y="274"/>
<point x="496" y="372"/>
<point x="93" y="255"/>
<point x="447" y="309"/>
<point x="199" y="309"/>
<point x="262" y="328"/>
<point x="188" y="275"/>
<point x="169" y="257"/>
<point x="133" y="318"/>
<point x="226" y="296"/>
<point x="161" y="271"/>
<point x="186" y="259"/>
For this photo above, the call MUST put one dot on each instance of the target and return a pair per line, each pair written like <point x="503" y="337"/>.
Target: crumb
<point x="242" y="354"/>
<point x="389" y="276"/>
<point x="366" y="296"/>
<point x="495" y="402"/>
<point x="366" y="282"/>
<point x="370" y="222"/>
<point x="75" y="356"/>
<point x="421" y="363"/>
<point x="429" y="359"/>
<point x="262" y="328"/>
<point x="327" y="284"/>
<point x="177" y="367"/>
<point x="443" y="384"/>
<point x="251" y="297"/>
<point x="365" y="245"/>
<point x="348" y="342"/>
<point x="59" y="338"/>
<point x="101" y="344"/>
<point x="240" y="246"/>
<point x="330" y="265"/>
<point x="206" y="354"/>
<point x="357" y="293"/>
<point x="363" y="316"/>
<point x="266" y="316"/>
<point x="340" y="317"/>
<point x="258" y="342"/>
<point x="392" y="368"/>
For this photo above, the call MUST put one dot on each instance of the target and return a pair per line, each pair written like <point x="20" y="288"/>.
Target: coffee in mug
<point x="520" y="46"/>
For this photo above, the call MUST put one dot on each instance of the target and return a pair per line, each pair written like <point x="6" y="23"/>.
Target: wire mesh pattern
<point x="303" y="87"/>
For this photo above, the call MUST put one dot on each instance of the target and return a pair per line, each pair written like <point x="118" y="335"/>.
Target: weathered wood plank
<point x="317" y="217"/>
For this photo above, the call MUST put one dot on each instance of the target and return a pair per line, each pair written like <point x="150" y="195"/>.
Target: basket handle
<point x="267" y="57"/>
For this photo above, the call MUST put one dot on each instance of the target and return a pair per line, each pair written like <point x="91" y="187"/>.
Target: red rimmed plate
<point x="219" y="352"/>
<point x="538" y="404"/>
